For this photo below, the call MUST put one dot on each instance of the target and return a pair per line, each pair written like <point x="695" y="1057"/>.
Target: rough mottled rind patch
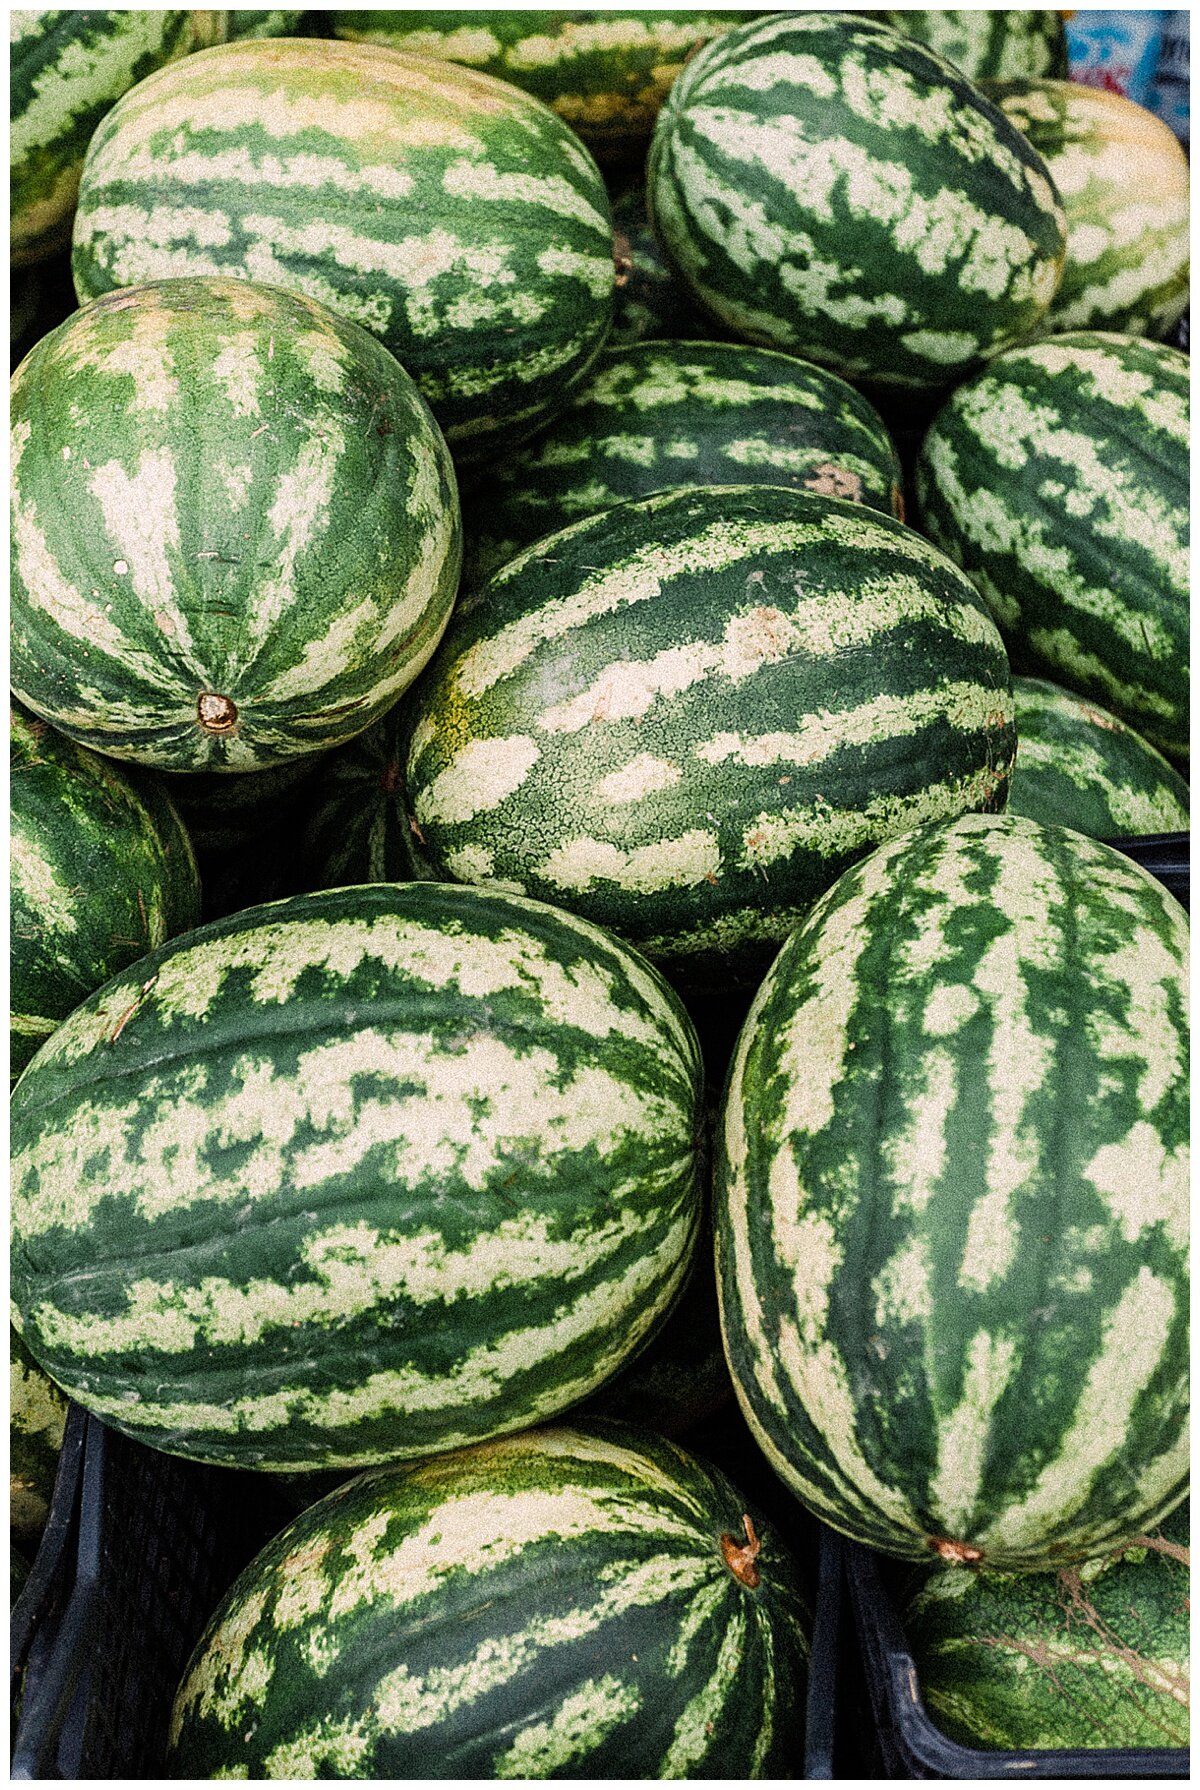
<point x="992" y="44"/>
<point x="952" y="1203"/>
<point x="665" y="414"/>
<point x="685" y="716"/>
<point x="100" y="871"/>
<point x="1125" y="186"/>
<point x="605" y="72"/>
<point x="826" y="185"/>
<point x="1078" y="766"/>
<point x="1085" y="1657"/>
<point x="235" y="528"/>
<point x="454" y="217"/>
<point x="37" y="1417"/>
<point x="1058" y="479"/>
<point x="356" y="1176"/>
<point x="556" y="1604"/>
<point x="66" y="69"/>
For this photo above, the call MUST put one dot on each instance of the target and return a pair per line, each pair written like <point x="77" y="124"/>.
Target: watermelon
<point x="1058" y="479"/>
<point x="649" y="300"/>
<point x="1091" y="1656"/>
<point x="66" y="69"/>
<point x="358" y="829"/>
<point x="235" y="529"/>
<point x="825" y="185"/>
<point x="1124" y="181"/>
<point x="684" y="717"/>
<point x="257" y="22"/>
<point x="100" y="871"/>
<point x="585" y="1602"/>
<point x="37" y="1417"/>
<point x="356" y="1176"/>
<point x="952" y="1199"/>
<point x="664" y="414"/>
<point x="450" y="214"/>
<point x="992" y="44"/>
<point x="1080" y="767"/>
<point x="604" y="71"/>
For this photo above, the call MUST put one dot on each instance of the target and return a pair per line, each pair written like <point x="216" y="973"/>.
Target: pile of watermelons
<point x="563" y="557"/>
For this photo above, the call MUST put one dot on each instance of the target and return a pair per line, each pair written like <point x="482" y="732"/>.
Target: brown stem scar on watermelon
<point x="958" y="1553"/>
<point x="740" y="1557"/>
<point x="216" y="714"/>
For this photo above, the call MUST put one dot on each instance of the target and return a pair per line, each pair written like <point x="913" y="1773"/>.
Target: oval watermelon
<point x="1125" y="187"/>
<point x="952" y="1206"/>
<point x="605" y="71"/>
<point x="993" y="43"/>
<point x="235" y="528"/>
<point x="683" y="717"/>
<point x="582" y="1602"/>
<point x="665" y="414"/>
<point x="1091" y="1656"/>
<point x="649" y="300"/>
<point x="356" y="1176"/>
<point x="826" y="185"/>
<point x="66" y="70"/>
<point x="450" y="214"/>
<point x="1078" y="766"/>
<point x="100" y="871"/>
<point x="1058" y="479"/>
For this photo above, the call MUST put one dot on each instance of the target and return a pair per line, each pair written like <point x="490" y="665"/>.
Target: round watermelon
<point x="953" y="1199"/>
<point x="235" y="531"/>
<point x="649" y="300"/>
<point x="356" y="1176"/>
<point x="826" y="185"/>
<point x="1078" y="766"/>
<point x="663" y="414"/>
<point x="581" y="1602"/>
<point x="450" y="214"/>
<point x="684" y="717"/>
<point x="358" y="828"/>
<point x="100" y="871"/>
<point x="1059" y="480"/>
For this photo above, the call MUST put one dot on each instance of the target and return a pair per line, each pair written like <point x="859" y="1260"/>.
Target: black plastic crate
<point x="910" y="1743"/>
<point x="150" y="1545"/>
<point x="1168" y="856"/>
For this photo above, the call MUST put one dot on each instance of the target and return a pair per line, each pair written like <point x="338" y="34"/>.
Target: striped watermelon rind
<point x="358" y="828"/>
<point x="235" y="533"/>
<point x="996" y="43"/>
<point x="1078" y="766"/>
<point x="664" y="414"/>
<point x="67" y="69"/>
<point x="825" y="185"/>
<point x="1125" y="186"/>
<point x="1058" y="479"/>
<point x="952" y="1199"/>
<point x="100" y="871"/>
<point x="604" y="71"/>
<point x="683" y="717"/>
<point x="454" y="217"/>
<point x="356" y="1176"/>
<point x="1092" y="1656"/>
<point x="573" y="1602"/>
